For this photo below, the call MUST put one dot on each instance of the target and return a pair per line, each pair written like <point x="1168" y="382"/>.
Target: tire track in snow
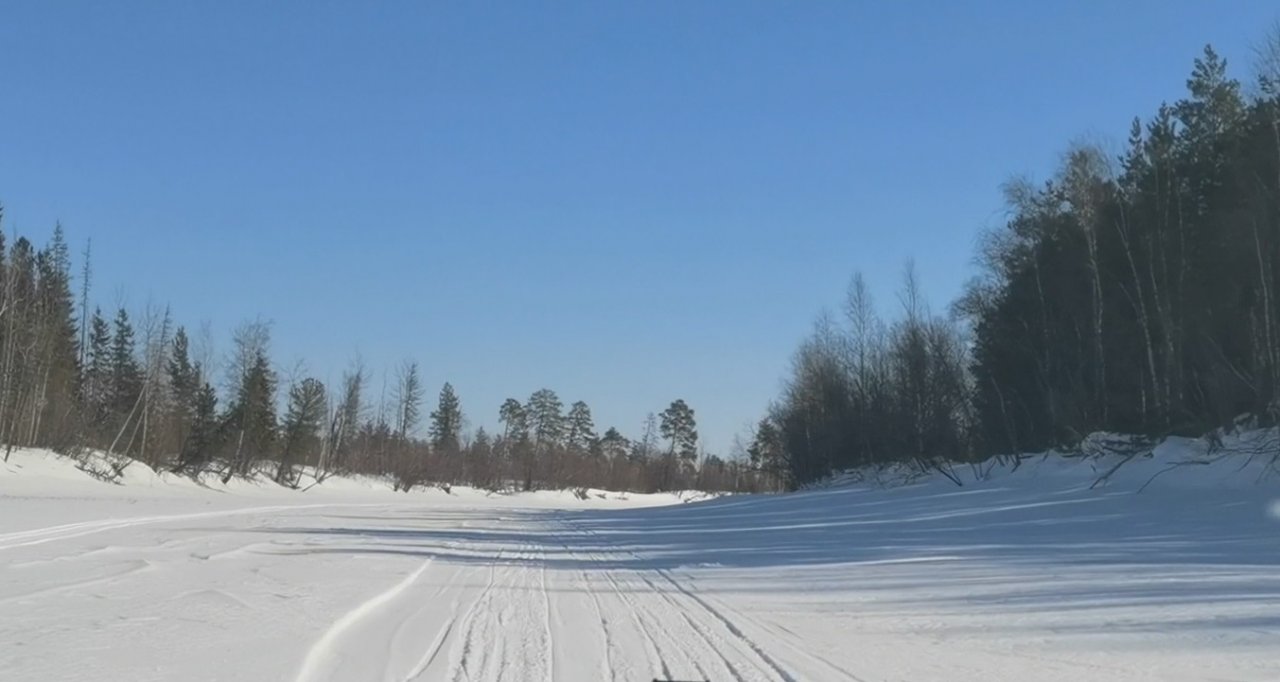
<point x="712" y="642"/>
<point x="784" y="640"/>
<point x="640" y="614"/>
<point x="674" y="615"/>
<point x="607" y="662"/>
<point x="607" y="670"/>
<point x="639" y="617"/>
<point x="728" y="625"/>
<point x="546" y="622"/>
<point x="529" y="655"/>
<point x="763" y="662"/>
<point x="462" y="645"/>
<point x="321" y="653"/>
<point x="634" y="611"/>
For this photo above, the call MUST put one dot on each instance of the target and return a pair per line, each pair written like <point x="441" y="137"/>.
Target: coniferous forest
<point x="1136" y="291"/>
<point x="139" y="389"/>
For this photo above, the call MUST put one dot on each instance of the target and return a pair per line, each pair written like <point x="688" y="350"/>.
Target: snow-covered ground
<point x="1027" y="576"/>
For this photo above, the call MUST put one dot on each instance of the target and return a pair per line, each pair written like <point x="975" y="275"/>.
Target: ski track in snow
<point x="1044" y="580"/>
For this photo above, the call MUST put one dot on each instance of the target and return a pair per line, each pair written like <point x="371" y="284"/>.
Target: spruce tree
<point x="59" y="345"/>
<point x="302" y="421"/>
<point x="98" y="378"/>
<point x="183" y="386"/>
<point x="446" y="421"/>
<point x="254" y="415"/>
<point x="479" y="462"/>
<point x="202" y="440"/>
<point x="126" y="375"/>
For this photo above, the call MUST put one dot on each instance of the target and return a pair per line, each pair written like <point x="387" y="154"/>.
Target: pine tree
<point x="679" y="427"/>
<point x="545" y="418"/>
<point x="446" y="421"/>
<point x="613" y="444"/>
<point x="515" y="420"/>
<point x="516" y="446"/>
<point x="580" y="430"/>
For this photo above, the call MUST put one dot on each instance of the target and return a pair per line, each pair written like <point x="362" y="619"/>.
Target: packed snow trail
<point x="1029" y="576"/>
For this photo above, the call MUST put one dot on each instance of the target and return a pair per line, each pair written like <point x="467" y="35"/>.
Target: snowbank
<point x="44" y="479"/>
<point x="1106" y="461"/>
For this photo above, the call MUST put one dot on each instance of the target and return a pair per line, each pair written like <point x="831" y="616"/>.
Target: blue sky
<point x="625" y="202"/>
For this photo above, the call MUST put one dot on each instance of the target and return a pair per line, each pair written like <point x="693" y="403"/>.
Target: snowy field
<point x="1027" y="576"/>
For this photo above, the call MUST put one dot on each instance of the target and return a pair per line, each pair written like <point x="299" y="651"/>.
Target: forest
<point x="1132" y="293"/>
<point x="76" y="380"/>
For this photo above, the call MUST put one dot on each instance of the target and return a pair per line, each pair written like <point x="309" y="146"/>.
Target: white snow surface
<point x="1029" y="575"/>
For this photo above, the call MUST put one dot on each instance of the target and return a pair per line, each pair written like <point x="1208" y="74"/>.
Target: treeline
<point x="138" y="389"/>
<point x="1133" y="293"/>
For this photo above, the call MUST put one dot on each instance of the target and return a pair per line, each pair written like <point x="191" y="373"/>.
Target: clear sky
<point x="627" y="202"/>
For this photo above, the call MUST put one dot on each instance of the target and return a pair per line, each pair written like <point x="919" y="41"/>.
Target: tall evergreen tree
<point x="184" y="384"/>
<point x="516" y="445"/>
<point x="126" y="374"/>
<point x="681" y="430"/>
<point x="253" y="415"/>
<point x="301" y="428"/>
<point x="546" y="420"/>
<point x="97" y="391"/>
<point x="58" y="386"/>
<point x="446" y="421"/>
<point x="515" y="420"/>
<point x="580" y="430"/>
<point x="479" y="460"/>
<point x="613" y="444"/>
<point x="204" y="434"/>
